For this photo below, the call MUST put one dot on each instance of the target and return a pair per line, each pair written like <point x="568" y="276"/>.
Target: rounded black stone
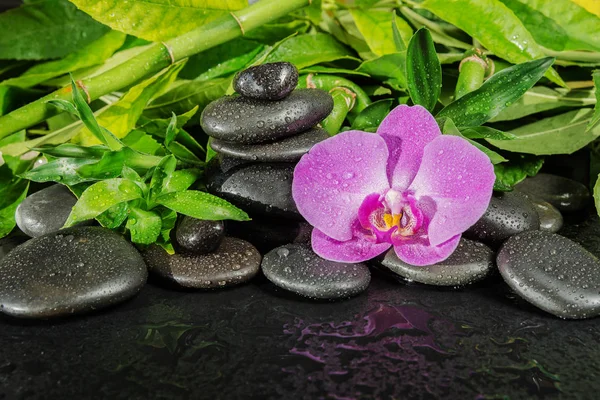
<point x="243" y="120"/>
<point x="7" y="244"/>
<point x="285" y="150"/>
<point x="470" y="263"/>
<point x="45" y="211"/>
<point x="264" y="188"/>
<point x="266" y="233"/>
<point x="272" y="81"/>
<point x="235" y="261"/>
<point x="508" y="214"/>
<point x="551" y="220"/>
<point x="71" y="271"/>
<point x="563" y="193"/>
<point x="552" y="273"/>
<point x="199" y="236"/>
<point x="298" y="269"/>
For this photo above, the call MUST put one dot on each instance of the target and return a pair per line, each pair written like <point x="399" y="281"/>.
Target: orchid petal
<point x="332" y="180"/>
<point x="459" y="178"/>
<point x="406" y="131"/>
<point x="421" y="253"/>
<point x="355" y="250"/>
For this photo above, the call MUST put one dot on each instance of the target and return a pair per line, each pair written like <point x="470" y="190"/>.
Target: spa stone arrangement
<point x="260" y="135"/>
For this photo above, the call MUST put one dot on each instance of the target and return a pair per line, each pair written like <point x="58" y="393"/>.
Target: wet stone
<point x="8" y="243"/>
<point x="551" y="220"/>
<point x="45" y="211"/>
<point x="552" y="273"/>
<point x="565" y="194"/>
<point x="298" y="269"/>
<point x="266" y="234"/>
<point x="243" y="120"/>
<point x="264" y="188"/>
<point x="75" y="270"/>
<point x="471" y="262"/>
<point x="508" y="214"/>
<point x="198" y="236"/>
<point x="285" y="150"/>
<point x="272" y="81"/>
<point x="235" y="261"/>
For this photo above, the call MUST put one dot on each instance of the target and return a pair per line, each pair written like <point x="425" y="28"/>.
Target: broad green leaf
<point x="596" y="117"/>
<point x="273" y="32"/>
<point x="100" y="197"/>
<point x="161" y="176"/>
<point x="306" y="50"/>
<point x="46" y="29"/>
<point x="519" y="167"/>
<point x="497" y="93"/>
<point x="120" y="118"/>
<point x="141" y="141"/>
<point x="7" y="214"/>
<point x="342" y="26"/>
<point x="114" y="216"/>
<point x="187" y="96"/>
<point x="144" y="226"/>
<point x="561" y="134"/>
<point x="94" y="53"/>
<point x="157" y="20"/>
<point x="371" y="117"/>
<point x="581" y="26"/>
<point x="375" y="25"/>
<point x="449" y="128"/>
<point x="389" y="69"/>
<point x="202" y="206"/>
<point x="182" y="180"/>
<point x="109" y="166"/>
<point x="62" y="170"/>
<point x="495" y="26"/>
<point x="423" y="70"/>
<point x="541" y="98"/>
<point x="485" y="132"/>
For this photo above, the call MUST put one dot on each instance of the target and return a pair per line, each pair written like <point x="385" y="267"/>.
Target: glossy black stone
<point x="297" y="268"/>
<point x="551" y="220"/>
<point x="72" y="271"/>
<point x="508" y="214"/>
<point x="285" y="150"/>
<point x="266" y="234"/>
<point x="198" y="236"/>
<point x="7" y="244"/>
<point x="249" y="121"/>
<point x="552" y="273"/>
<point x="45" y="211"/>
<point x="471" y="262"/>
<point x="264" y="188"/>
<point x="272" y="81"/>
<point x="233" y="262"/>
<point x="565" y="194"/>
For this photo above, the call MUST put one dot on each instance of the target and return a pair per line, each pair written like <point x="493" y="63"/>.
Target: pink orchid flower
<point x="407" y="186"/>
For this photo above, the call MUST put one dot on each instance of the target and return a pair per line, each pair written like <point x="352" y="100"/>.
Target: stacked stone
<point x="260" y="135"/>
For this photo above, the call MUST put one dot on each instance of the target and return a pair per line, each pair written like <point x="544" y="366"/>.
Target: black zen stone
<point x="551" y="220"/>
<point x="45" y="211"/>
<point x="235" y="261"/>
<point x="565" y="194"/>
<point x="249" y="121"/>
<point x="298" y="269"/>
<point x="508" y="214"/>
<point x="72" y="271"/>
<point x="273" y="81"/>
<point x="470" y="263"/>
<point x="199" y="236"/>
<point x="288" y="149"/>
<point x="552" y="273"/>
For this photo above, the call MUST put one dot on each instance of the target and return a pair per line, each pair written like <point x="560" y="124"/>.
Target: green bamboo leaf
<point x="12" y="98"/>
<point x="389" y="69"/>
<point x="485" y="132"/>
<point x="596" y="118"/>
<point x="7" y="214"/>
<point x="161" y="176"/>
<point x="139" y="140"/>
<point x="158" y="129"/>
<point x="109" y="166"/>
<point x="423" y="70"/>
<point x="320" y="69"/>
<point x="449" y="128"/>
<point x="94" y="53"/>
<point x="371" y="117"/>
<point x="273" y="32"/>
<point x="596" y="196"/>
<point x="120" y="117"/>
<point x="377" y="28"/>
<point x="100" y="197"/>
<point x="158" y="19"/>
<point x="561" y="134"/>
<point x="114" y="216"/>
<point x="402" y="33"/>
<point x="202" y="206"/>
<point x="495" y="26"/>
<point x="519" y="167"/>
<point x="20" y="136"/>
<point x="46" y="29"/>
<point x="62" y="170"/>
<point x="171" y="131"/>
<point x="144" y="226"/>
<point x="72" y="151"/>
<point x="497" y="93"/>
<point x="182" y="180"/>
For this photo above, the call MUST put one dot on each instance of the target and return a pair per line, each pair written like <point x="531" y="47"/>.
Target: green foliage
<point x="423" y="70"/>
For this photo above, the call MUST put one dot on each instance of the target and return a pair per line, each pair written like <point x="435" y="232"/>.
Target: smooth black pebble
<point x="267" y="233"/>
<point x="199" y="236"/>
<point x="296" y="268"/>
<point x="235" y="261"/>
<point x="243" y="120"/>
<point x="285" y="150"/>
<point x="264" y="188"/>
<point x="552" y="273"/>
<point x="7" y="244"/>
<point x="471" y="262"/>
<point x="272" y="81"/>
<point x="72" y="271"/>
<point x="45" y="211"/>
<point x="565" y="194"/>
<point x="551" y="220"/>
<point x="508" y="214"/>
